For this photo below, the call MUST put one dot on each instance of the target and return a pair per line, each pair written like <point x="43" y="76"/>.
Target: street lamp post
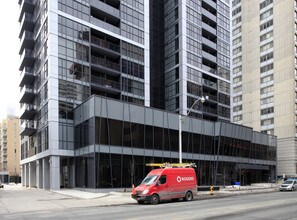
<point x="202" y="99"/>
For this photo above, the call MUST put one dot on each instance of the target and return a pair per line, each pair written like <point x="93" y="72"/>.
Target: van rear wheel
<point x="154" y="199"/>
<point x="188" y="196"/>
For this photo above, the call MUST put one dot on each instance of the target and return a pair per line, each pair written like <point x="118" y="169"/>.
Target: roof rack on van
<point x="165" y="165"/>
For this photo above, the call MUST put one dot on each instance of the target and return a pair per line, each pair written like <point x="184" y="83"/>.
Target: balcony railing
<point x="209" y="69"/>
<point x="210" y="110"/>
<point x="27" y="111"/>
<point x="105" y="44"/>
<point x="27" y="41"/>
<point x="210" y="83"/>
<point x="105" y="63"/>
<point x="28" y="128"/>
<point x="106" y="83"/>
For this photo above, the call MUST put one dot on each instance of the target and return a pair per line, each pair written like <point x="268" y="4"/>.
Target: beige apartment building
<point x="10" y="149"/>
<point x="264" y="39"/>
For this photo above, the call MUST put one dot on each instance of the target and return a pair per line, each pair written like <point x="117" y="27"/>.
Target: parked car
<point x="288" y="185"/>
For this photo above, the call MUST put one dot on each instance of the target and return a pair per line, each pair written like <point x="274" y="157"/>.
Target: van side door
<point x="162" y="186"/>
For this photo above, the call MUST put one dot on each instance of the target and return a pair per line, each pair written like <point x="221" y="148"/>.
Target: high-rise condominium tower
<point x="129" y="55"/>
<point x="264" y="73"/>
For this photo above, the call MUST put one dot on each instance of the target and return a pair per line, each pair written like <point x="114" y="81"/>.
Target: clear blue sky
<point x="9" y="57"/>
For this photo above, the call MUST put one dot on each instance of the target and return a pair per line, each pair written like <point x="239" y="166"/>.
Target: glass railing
<point x="209" y="69"/>
<point x="105" y="63"/>
<point x="27" y="35"/>
<point x="210" y="83"/>
<point x="105" y="44"/>
<point x="105" y="82"/>
<point x="27" y="71"/>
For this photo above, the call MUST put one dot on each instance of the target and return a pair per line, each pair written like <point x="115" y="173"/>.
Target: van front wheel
<point x="154" y="199"/>
<point x="188" y="196"/>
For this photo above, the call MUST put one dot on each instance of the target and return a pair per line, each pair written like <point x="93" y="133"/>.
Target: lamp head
<point x="202" y="99"/>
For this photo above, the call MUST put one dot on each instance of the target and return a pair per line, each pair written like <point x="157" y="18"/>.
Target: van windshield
<point x="149" y="180"/>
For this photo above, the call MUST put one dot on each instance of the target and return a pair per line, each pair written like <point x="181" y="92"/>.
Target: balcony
<point x="27" y="41"/>
<point x="27" y="94"/>
<point x="209" y="56"/>
<point x="209" y="29"/>
<point x="212" y="98"/>
<point x="209" y="69"/>
<point x="27" y="77"/>
<point x="27" y="111"/>
<point x="27" y="23"/>
<point x="210" y="84"/>
<point x="26" y="6"/>
<point x="106" y="47"/>
<point x="209" y="43"/>
<point x="112" y="9"/>
<point x="210" y="3"/>
<point x="28" y="128"/>
<point x="106" y="66"/>
<point x="105" y="25"/>
<point x="27" y="59"/>
<point x="209" y="15"/>
<point x="209" y="110"/>
<point x="106" y="85"/>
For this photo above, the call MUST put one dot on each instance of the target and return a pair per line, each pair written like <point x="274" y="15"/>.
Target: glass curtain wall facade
<point x="69" y="51"/>
<point x="197" y="57"/>
<point x="114" y="141"/>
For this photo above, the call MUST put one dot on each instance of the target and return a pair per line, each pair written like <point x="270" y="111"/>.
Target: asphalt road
<point x="274" y="205"/>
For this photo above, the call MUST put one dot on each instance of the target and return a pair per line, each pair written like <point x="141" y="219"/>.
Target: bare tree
<point x="132" y="170"/>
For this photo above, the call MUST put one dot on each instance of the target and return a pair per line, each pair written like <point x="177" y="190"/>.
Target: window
<point x="237" y="98"/>
<point x="267" y="90"/>
<point x="237" y="60"/>
<point x="235" y="2"/>
<point x="266" y="36"/>
<point x="268" y="121"/>
<point x="266" y="79"/>
<point x="237" y="50"/>
<point x="266" y="57"/>
<point x="237" y="108"/>
<point x="266" y="46"/>
<point x="237" y="70"/>
<point x="237" y="89"/>
<point x="237" y="118"/>
<point x="236" y="40"/>
<point x="236" y="21"/>
<point x="236" y="11"/>
<point x="236" y="30"/>
<point x="267" y="100"/>
<point x="162" y="180"/>
<point x="265" y="3"/>
<point x="237" y="79"/>
<point x="267" y="111"/>
<point x="266" y="68"/>
<point x="266" y="14"/>
<point x="266" y="25"/>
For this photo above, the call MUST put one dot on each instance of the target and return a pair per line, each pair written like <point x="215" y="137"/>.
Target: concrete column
<point x="26" y="182"/>
<point x="54" y="172"/>
<point x="71" y="176"/>
<point x="29" y="174"/>
<point x="45" y="173"/>
<point x="22" y="174"/>
<point x="37" y="174"/>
